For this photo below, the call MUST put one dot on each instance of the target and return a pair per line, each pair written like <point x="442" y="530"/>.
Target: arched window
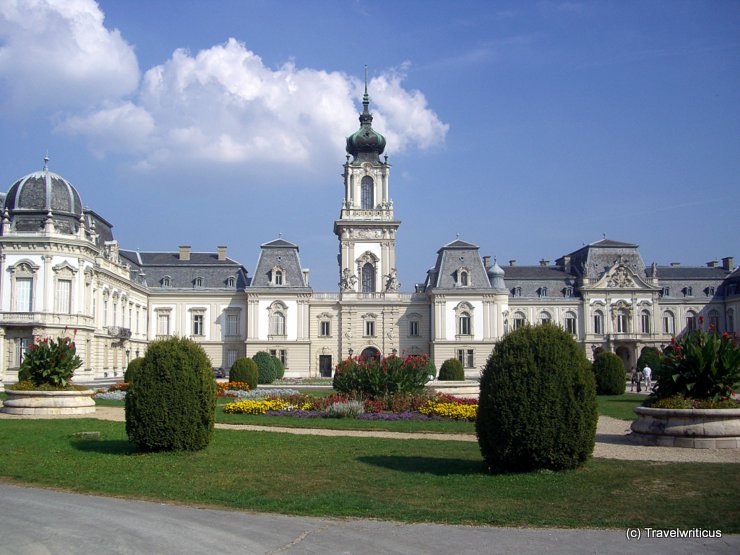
<point x="571" y="323"/>
<point x="545" y="317"/>
<point x="230" y="282"/>
<point x="669" y="323"/>
<point x="368" y="278"/>
<point x="166" y="281"/>
<point x="366" y="193"/>
<point x="277" y="323"/>
<point x="463" y="278"/>
<point x="598" y="323"/>
<point x="198" y="282"/>
<point x="645" y="321"/>
<point x="690" y="320"/>
<point x="713" y="320"/>
<point x="519" y="320"/>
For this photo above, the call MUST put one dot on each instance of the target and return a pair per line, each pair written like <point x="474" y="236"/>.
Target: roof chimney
<point x="512" y="263"/>
<point x="675" y="264"/>
<point x="221" y="253"/>
<point x="728" y="264"/>
<point x="544" y="262"/>
<point x="486" y="262"/>
<point x="566" y="263"/>
<point x="184" y="252"/>
<point x="306" y="272"/>
<point x="712" y="264"/>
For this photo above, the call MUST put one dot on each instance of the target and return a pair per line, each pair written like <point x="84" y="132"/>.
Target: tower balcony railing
<point x="374" y="214"/>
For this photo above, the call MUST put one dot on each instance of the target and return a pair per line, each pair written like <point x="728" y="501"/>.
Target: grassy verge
<point x="413" y="481"/>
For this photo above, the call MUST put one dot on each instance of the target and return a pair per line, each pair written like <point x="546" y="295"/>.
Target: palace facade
<point x="62" y="270"/>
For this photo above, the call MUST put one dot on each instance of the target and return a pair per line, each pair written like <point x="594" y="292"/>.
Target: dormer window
<point x="688" y="291"/>
<point x="166" y="281"/>
<point x="666" y="292"/>
<point x="710" y="291"/>
<point x="463" y="277"/>
<point x="278" y="276"/>
<point x="516" y="292"/>
<point x="231" y="282"/>
<point x="198" y="282"/>
<point x="568" y="291"/>
<point x="543" y="291"/>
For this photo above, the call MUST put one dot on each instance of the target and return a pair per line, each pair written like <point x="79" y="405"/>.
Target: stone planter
<point x="695" y="428"/>
<point x="49" y="403"/>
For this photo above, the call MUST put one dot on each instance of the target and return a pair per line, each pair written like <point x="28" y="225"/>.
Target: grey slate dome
<point x="33" y="198"/>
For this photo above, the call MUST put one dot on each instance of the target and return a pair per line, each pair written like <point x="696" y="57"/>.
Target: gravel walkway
<point x="612" y="439"/>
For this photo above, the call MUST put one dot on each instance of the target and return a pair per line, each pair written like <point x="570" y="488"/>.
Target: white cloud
<point x="224" y="106"/>
<point x="57" y="54"/>
<point x="219" y="107"/>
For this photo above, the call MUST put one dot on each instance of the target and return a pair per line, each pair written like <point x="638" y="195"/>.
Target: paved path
<point x="37" y="521"/>
<point x="612" y="439"/>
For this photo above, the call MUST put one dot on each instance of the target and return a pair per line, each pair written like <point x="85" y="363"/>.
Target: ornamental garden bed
<point x="695" y="428"/>
<point x="49" y="403"/>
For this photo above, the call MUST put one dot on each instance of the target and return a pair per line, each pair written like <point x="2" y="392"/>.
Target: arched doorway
<point x="370" y="352"/>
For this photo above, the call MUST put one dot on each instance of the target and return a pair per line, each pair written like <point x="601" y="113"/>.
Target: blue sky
<point x="528" y="128"/>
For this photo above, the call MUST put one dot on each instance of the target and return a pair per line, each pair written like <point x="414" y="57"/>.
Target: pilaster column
<point x="47" y="293"/>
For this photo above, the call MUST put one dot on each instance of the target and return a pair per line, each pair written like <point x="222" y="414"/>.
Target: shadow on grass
<point x="106" y="446"/>
<point x="426" y="465"/>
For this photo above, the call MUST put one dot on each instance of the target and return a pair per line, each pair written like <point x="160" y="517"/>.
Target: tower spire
<point x="366" y="100"/>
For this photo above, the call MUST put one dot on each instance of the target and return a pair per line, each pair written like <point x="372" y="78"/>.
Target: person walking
<point x="633" y="378"/>
<point x="647" y="372"/>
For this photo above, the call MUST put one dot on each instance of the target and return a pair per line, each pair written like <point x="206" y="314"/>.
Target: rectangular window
<point x="325" y="328"/>
<point x="464" y="324"/>
<point x="197" y="324"/>
<point x="115" y="313"/>
<point x="598" y="324"/>
<point x="370" y="328"/>
<point x="690" y="323"/>
<point x="138" y="317"/>
<point x="163" y="324"/>
<point x="283" y="357"/>
<point x="232" y="324"/>
<point x="105" y="313"/>
<point x="518" y="322"/>
<point x="570" y="325"/>
<point x="325" y="366"/>
<point x="730" y="322"/>
<point x="414" y="328"/>
<point x="622" y="323"/>
<point x="471" y="359"/>
<point x="23" y="294"/>
<point x="461" y="356"/>
<point x="64" y="291"/>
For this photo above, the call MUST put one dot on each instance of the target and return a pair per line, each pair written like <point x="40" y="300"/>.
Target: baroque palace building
<point x="62" y="270"/>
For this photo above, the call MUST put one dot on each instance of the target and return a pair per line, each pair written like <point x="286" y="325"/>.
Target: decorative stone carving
<point x="621" y="278"/>
<point x="392" y="283"/>
<point x="348" y="281"/>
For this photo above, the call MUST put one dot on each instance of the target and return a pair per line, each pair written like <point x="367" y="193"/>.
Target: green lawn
<point x="619" y="406"/>
<point x="415" y="481"/>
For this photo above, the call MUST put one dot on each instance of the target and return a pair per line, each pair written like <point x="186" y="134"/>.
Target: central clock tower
<point x="366" y="227"/>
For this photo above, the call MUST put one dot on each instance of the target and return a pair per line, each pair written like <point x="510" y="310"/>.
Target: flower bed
<point x="338" y="406"/>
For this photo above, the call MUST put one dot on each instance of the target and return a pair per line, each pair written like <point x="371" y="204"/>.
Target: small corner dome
<point x="496" y="270"/>
<point x="43" y="191"/>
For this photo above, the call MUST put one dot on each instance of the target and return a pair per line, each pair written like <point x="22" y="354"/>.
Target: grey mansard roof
<point x="183" y="274"/>
<point x="450" y="259"/>
<point x="279" y="254"/>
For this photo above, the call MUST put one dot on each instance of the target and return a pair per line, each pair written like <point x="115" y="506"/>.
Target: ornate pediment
<point x="621" y="276"/>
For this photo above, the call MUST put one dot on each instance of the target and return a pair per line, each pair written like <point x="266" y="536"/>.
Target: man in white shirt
<point x="647" y="372"/>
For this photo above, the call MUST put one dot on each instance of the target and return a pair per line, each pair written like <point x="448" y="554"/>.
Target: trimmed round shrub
<point x="245" y="370"/>
<point x="611" y="377"/>
<point x="537" y="403"/>
<point x="279" y="368"/>
<point x="650" y="356"/>
<point x="432" y="369"/>
<point x="171" y="400"/>
<point x="133" y="367"/>
<point x="451" y="370"/>
<point x="265" y="367"/>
